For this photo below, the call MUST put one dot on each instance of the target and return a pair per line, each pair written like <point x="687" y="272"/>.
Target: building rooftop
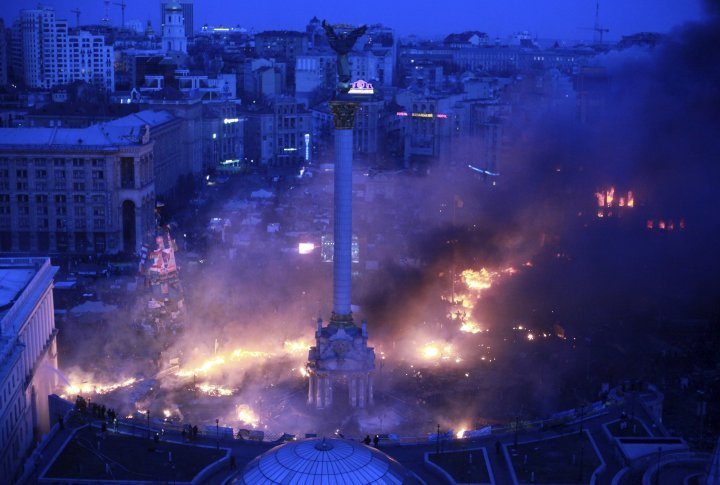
<point x="128" y="130"/>
<point x="12" y="282"/>
<point x="324" y="461"/>
<point x="149" y="116"/>
<point x="17" y="288"/>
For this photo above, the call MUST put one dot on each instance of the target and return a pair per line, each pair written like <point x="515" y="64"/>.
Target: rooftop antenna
<point x="122" y="6"/>
<point x="77" y="16"/>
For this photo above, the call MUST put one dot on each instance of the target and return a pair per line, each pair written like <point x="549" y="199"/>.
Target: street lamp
<point x="217" y="432"/>
<point x="148" y="423"/>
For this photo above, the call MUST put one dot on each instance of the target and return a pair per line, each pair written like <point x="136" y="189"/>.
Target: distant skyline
<point x="563" y="19"/>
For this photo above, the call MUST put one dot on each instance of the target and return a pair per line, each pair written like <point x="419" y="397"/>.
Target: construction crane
<point x="122" y="6"/>
<point x="597" y="28"/>
<point x="106" y="17"/>
<point x="77" y="16"/>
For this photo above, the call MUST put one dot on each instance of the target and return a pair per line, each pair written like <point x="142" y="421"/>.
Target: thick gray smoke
<point x="656" y="133"/>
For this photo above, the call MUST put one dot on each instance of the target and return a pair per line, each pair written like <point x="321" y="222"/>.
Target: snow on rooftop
<point x="127" y="130"/>
<point x="12" y="283"/>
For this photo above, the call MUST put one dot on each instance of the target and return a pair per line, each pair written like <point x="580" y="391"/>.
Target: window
<point x="23" y="198"/>
<point x="79" y="186"/>
<point x="41" y="174"/>
<point x="98" y="174"/>
<point x="99" y="211"/>
<point x="60" y="174"/>
<point x="78" y="174"/>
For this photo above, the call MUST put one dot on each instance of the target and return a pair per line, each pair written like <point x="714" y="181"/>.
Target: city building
<point x="77" y="190"/>
<point x="174" y="38"/>
<point x="426" y="125"/>
<point x="172" y="156"/>
<point x="3" y="55"/>
<point x="188" y="16"/>
<point x="47" y="54"/>
<point x="187" y="137"/>
<point x="262" y="79"/>
<point x="315" y="76"/>
<point x="283" y="46"/>
<point x="275" y="134"/>
<point x="374" y="66"/>
<point x="368" y="127"/>
<point x="28" y="358"/>
<point x="223" y="137"/>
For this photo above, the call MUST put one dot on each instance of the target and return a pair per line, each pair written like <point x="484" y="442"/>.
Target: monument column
<point x="371" y="398"/>
<point x="311" y="388"/>
<point x="352" y="389"/>
<point x="344" y="121"/>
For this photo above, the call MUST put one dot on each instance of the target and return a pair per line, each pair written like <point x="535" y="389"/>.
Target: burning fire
<point x="298" y="346"/>
<point x="96" y="387"/>
<point x="606" y="200"/>
<point x="435" y="351"/>
<point x="470" y="327"/>
<point x="294" y="348"/>
<point x="214" y="390"/>
<point x="464" y="303"/>
<point x="477" y="280"/>
<point x="247" y="416"/>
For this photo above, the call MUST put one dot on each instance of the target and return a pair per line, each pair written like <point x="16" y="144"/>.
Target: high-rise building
<point x="174" y="38"/>
<point x="187" y="14"/>
<point x="28" y="358"/>
<point x="3" y="55"/>
<point x="47" y="54"/>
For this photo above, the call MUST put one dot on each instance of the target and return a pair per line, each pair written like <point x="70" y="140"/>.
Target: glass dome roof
<point x="324" y="461"/>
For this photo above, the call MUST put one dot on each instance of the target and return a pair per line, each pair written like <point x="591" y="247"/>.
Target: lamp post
<point x="438" y="440"/>
<point x="148" y="422"/>
<point x="217" y="432"/>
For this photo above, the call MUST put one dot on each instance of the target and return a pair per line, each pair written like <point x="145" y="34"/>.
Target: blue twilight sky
<point x="428" y="18"/>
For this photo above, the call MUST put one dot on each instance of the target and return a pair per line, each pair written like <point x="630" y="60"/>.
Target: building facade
<point x="28" y="358"/>
<point x="76" y="190"/>
<point x="314" y="72"/>
<point x="3" y="55"/>
<point x="275" y="135"/>
<point x="222" y="137"/>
